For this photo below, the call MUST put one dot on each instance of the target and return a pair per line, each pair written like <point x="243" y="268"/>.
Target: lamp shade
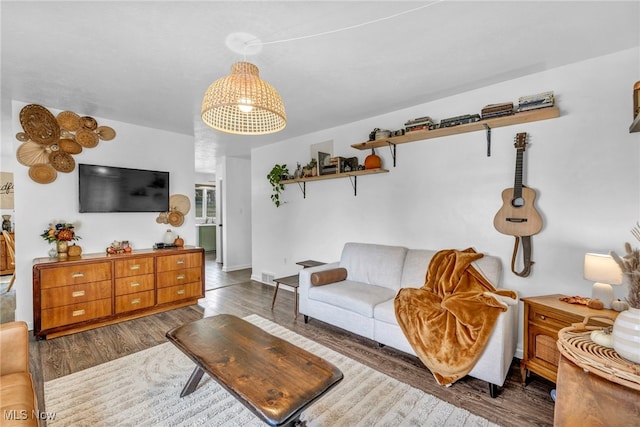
<point x="602" y="268"/>
<point x="604" y="271"/>
<point x="242" y="103"/>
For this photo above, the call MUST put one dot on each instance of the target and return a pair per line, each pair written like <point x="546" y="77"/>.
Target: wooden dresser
<point x="94" y="290"/>
<point x="5" y="264"/>
<point x="544" y="316"/>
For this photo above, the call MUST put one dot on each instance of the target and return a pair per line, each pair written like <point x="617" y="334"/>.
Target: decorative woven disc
<point x="176" y="218"/>
<point x="62" y="162"/>
<point x="105" y="133"/>
<point x="42" y="173"/>
<point x="39" y="124"/>
<point x="87" y="138"/>
<point x="68" y="120"/>
<point x="70" y="146"/>
<point x="87" y="122"/>
<point x="163" y="218"/>
<point x="180" y="203"/>
<point x="22" y="137"/>
<point x="30" y="153"/>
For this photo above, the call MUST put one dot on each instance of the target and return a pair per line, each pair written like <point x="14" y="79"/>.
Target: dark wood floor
<point x="516" y="405"/>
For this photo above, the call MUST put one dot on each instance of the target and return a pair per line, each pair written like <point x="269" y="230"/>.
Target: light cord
<point x="351" y="27"/>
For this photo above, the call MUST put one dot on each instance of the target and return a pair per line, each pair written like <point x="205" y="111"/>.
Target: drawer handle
<point x="135" y="301"/>
<point x="134" y="284"/>
<point x="78" y="274"/>
<point x="77" y="294"/>
<point x="180" y="277"/>
<point x="180" y="292"/>
<point x="78" y="313"/>
<point x="543" y="317"/>
<point x="180" y="261"/>
<point x="135" y="267"/>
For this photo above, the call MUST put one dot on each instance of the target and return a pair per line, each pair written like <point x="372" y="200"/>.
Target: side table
<point x="294" y="283"/>
<point x="544" y="316"/>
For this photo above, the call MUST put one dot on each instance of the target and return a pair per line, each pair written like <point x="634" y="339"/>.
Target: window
<point x="205" y="202"/>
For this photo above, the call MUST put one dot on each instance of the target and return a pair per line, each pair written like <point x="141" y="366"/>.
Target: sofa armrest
<point x="14" y="348"/>
<point x="304" y="281"/>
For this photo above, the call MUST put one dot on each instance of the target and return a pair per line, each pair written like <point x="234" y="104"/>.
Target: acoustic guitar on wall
<point x="518" y="216"/>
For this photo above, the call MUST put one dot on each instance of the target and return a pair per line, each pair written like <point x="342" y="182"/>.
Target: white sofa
<point x="364" y="302"/>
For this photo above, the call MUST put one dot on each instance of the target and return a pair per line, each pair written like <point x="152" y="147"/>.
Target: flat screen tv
<point x="113" y="189"/>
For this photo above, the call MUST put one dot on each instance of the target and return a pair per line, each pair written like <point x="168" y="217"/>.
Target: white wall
<point x="36" y="205"/>
<point x="445" y="192"/>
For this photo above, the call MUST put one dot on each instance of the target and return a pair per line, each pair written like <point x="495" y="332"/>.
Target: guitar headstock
<point x="521" y="141"/>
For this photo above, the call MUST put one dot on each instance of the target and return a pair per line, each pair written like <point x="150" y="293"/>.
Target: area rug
<point x="143" y="389"/>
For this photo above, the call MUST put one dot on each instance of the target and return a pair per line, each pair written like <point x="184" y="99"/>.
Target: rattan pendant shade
<point x="242" y="103"/>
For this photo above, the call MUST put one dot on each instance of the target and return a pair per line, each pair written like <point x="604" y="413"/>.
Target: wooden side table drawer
<point x="74" y="294"/>
<point x="135" y="301"/>
<point x="75" y="274"/>
<point x="177" y="262"/>
<point x="74" y="313"/>
<point x="132" y="284"/>
<point x="176" y="293"/>
<point x="134" y="267"/>
<point x="177" y="277"/>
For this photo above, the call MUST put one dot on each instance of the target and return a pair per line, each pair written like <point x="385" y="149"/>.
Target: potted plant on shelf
<point x="277" y="174"/>
<point x="626" y="329"/>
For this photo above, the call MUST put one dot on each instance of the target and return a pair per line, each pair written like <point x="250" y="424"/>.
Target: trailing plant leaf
<point x="274" y="177"/>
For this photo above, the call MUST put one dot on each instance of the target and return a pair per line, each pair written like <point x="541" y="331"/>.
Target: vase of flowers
<point x="626" y="329"/>
<point x="60" y="233"/>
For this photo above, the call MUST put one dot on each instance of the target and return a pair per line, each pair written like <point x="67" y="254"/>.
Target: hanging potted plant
<point x="277" y="174"/>
<point x="626" y="329"/>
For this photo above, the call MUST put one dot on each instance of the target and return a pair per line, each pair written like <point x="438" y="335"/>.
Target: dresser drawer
<point x="74" y="294"/>
<point x="74" y="313"/>
<point x="134" y="267"/>
<point x="176" y="293"/>
<point x="176" y="262"/>
<point x="75" y="274"/>
<point x="135" y="301"/>
<point x="177" y="277"/>
<point x="129" y="285"/>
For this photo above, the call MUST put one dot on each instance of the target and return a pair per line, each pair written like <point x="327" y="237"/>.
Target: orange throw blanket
<point x="449" y="320"/>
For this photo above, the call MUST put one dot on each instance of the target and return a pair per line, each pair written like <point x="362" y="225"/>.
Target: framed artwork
<point x="6" y="190"/>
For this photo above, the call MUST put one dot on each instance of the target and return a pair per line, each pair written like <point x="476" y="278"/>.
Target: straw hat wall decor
<point x="48" y="142"/>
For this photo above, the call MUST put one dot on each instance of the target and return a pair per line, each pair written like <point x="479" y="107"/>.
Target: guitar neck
<point x="517" y="185"/>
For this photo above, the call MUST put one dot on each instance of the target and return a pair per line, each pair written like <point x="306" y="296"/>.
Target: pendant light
<point x="242" y="103"/>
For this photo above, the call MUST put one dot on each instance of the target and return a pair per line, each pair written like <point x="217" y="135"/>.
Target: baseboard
<point x="226" y="269"/>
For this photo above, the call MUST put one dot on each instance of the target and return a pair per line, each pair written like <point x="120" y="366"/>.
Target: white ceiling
<point x="150" y="62"/>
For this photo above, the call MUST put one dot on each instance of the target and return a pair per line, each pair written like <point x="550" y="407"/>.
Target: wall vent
<point x="268" y="278"/>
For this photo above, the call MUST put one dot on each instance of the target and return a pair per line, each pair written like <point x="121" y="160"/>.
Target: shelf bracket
<point x="354" y="184"/>
<point x="392" y="148"/>
<point x="303" y="188"/>
<point x="488" y="129"/>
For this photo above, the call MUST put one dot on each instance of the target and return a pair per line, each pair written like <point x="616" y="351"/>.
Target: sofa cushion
<point x="374" y="264"/>
<point x="358" y="297"/>
<point x="325" y="277"/>
<point x="416" y="263"/>
<point x="385" y="312"/>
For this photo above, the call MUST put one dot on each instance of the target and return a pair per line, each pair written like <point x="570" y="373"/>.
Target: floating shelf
<point x="419" y="135"/>
<point x="353" y="176"/>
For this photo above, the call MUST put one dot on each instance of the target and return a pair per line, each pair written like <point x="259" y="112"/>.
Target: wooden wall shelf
<point x="419" y="135"/>
<point x="353" y="176"/>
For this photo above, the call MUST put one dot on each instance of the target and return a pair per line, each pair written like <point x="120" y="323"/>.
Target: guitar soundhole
<point x="517" y="202"/>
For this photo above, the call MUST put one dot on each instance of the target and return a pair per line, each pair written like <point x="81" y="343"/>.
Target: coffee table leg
<point x="275" y="292"/>
<point x="193" y="381"/>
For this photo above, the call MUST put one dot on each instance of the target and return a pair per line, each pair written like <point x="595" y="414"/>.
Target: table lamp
<point x="604" y="271"/>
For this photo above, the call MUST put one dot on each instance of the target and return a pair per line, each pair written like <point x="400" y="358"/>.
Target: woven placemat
<point x="42" y="173"/>
<point x="62" y="162"/>
<point x="87" y="138"/>
<point x="30" y="153"/>
<point x="106" y="133"/>
<point x="70" y="146"/>
<point x="39" y="124"/>
<point x="69" y="120"/>
<point x="87" y="122"/>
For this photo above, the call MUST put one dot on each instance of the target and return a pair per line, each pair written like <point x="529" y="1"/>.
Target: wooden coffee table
<point x="275" y="379"/>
